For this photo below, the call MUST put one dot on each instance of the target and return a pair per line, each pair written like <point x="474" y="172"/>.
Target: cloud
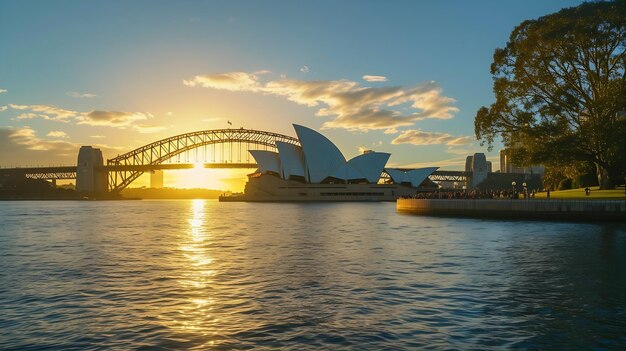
<point x="3" y="108"/>
<point x="147" y="129"/>
<point x="232" y="81"/>
<point x="3" y="91"/>
<point x="304" y="69"/>
<point x="120" y="120"/>
<point x="112" y="118"/>
<point x="419" y="137"/>
<point x="27" y="138"/>
<point x="97" y="136"/>
<point x="212" y="119"/>
<point x="369" y="78"/>
<point x="57" y="134"/>
<point x="391" y="131"/>
<point x="44" y="111"/>
<point x="22" y="147"/>
<point x="468" y="149"/>
<point x="80" y="95"/>
<point x="451" y="163"/>
<point x="116" y="119"/>
<point x="351" y="105"/>
<point x="455" y="163"/>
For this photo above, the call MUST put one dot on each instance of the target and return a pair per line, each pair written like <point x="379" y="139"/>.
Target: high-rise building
<point x="507" y="165"/>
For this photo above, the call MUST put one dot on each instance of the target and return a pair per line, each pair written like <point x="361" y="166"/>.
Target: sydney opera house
<point x="316" y="170"/>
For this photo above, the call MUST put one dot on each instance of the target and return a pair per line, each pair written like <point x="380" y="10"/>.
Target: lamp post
<point x="513" y="184"/>
<point x="525" y="190"/>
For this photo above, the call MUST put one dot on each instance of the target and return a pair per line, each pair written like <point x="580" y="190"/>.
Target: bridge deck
<point x="69" y="172"/>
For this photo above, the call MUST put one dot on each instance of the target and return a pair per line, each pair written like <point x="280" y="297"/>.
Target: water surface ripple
<point x="172" y="275"/>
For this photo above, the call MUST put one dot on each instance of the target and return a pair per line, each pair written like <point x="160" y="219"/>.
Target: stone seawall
<point x="614" y="210"/>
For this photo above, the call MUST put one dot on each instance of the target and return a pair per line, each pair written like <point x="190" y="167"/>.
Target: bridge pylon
<point x="91" y="179"/>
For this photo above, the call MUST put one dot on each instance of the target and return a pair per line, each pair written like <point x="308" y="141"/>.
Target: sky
<point x="404" y="77"/>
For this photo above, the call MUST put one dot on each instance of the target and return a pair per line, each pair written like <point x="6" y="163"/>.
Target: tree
<point x="560" y="90"/>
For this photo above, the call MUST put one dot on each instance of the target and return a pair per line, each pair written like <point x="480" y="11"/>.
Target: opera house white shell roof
<point x="414" y="176"/>
<point x="318" y="158"/>
<point x="267" y="160"/>
<point x="291" y="160"/>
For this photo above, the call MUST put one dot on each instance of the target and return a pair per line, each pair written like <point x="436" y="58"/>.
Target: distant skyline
<point x="403" y="77"/>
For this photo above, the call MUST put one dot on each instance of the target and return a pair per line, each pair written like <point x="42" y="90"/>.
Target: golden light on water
<point x="196" y="315"/>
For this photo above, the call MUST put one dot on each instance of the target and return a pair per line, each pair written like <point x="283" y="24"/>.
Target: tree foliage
<point x="560" y="90"/>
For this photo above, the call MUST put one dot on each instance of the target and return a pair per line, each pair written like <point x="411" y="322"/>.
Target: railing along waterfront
<point x="518" y="208"/>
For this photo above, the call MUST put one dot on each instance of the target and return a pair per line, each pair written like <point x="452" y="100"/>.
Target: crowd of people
<point x="474" y="194"/>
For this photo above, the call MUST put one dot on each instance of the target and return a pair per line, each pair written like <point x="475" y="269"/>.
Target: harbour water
<point x="172" y="275"/>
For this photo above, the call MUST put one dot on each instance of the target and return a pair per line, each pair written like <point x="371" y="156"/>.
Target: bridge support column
<point x="156" y="179"/>
<point x="89" y="179"/>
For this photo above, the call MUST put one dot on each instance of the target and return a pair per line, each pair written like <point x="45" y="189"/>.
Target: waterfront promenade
<point x="587" y="210"/>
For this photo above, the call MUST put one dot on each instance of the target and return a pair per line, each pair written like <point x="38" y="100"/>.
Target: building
<point x="507" y="165"/>
<point x="316" y="170"/>
<point x="478" y="165"/>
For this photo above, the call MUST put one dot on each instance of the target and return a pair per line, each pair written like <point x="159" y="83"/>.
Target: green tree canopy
<point x="560" y="90"/>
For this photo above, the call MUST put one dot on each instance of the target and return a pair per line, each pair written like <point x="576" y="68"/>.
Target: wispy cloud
<point x="20" y="144"/>
<point x="351" y="105"/>
<point x="116" y="119"/>
<point x="369" y="78"/>
<point x="147" y="129"/>
<point x="57" y="134"/>
<point x="451" y="163"/>
<point x="468" y="149"/>
<point x="3" y="91"/>
<point x="27" y="138"/>
<point x="212" y="119"/>
<point x="232" y="81"/>
<point x="44" y="111"/>
<point x="3" y="108"/>
<point x="305" y="69"/>
<point x="97" y="136"/>
<point x="112" y="118"/>
<point x="80" y="95"/>
<point x="391" y="131"/>
<point x="420" y="137"/>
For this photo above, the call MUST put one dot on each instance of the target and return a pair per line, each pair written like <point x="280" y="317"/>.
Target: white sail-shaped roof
<point x="398" y="176"/>
<point x="267" y="160"/>
<point x="347" y="172"/>
<point x="321" y="156"/>
<point x="291" y="160"/>
<point x="370" y="165"/>
<point x="417" y="176"/>
<point x="414" y="176"/>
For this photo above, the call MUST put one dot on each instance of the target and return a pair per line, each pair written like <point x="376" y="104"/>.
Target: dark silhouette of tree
<point x="560" y="89"/>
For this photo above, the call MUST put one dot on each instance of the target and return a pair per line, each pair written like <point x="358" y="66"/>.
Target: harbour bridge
<point x="217" y="148"/>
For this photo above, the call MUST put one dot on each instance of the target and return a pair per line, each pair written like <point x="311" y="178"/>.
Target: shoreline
<point x="35" y="198"/>
<point x="531" y="209"/>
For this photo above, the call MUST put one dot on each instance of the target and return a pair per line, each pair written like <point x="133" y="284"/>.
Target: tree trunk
<point x="604" y="180"/>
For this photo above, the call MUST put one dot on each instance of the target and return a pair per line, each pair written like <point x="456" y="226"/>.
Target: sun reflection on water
<point x="196" y="315"/>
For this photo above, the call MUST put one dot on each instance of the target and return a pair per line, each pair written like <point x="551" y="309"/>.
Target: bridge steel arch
<point x="162" y="150"/>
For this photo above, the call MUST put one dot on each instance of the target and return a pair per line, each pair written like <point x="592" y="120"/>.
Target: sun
<point x="201" y="177"/>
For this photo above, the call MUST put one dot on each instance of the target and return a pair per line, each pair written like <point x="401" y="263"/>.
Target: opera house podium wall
<point x="316" y="170"/>
<point x="270" y="188"/>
